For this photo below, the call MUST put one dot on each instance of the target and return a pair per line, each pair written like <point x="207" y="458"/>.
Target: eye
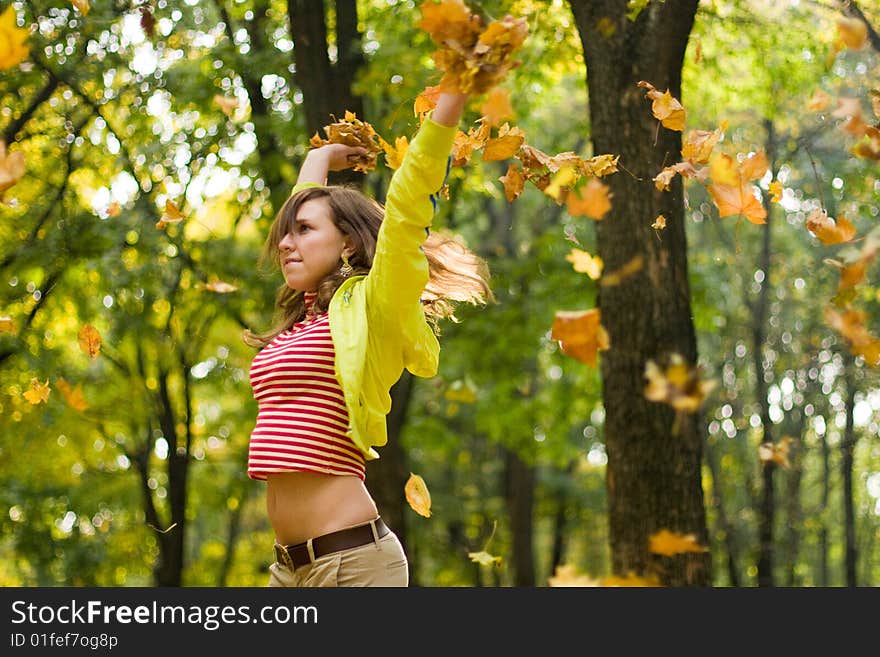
<point x="301" y="228"/>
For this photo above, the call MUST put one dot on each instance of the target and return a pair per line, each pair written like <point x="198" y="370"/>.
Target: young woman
<point x="363" y="289"/>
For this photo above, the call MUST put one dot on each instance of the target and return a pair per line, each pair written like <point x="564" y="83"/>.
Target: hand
<point x="449" y="108"/>
<point x="339" y="156"/>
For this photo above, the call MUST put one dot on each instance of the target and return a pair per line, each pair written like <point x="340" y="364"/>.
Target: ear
<point x="348" y="249"/>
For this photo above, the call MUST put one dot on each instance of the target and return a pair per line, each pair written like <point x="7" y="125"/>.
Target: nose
<point x="286" y="243"/>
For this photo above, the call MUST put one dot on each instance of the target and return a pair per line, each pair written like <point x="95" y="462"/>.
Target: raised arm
<point x="330" y="157"/>
<point x="449" y="109"/>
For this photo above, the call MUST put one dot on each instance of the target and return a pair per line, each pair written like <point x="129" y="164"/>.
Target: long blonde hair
<point x="456" y="274"/>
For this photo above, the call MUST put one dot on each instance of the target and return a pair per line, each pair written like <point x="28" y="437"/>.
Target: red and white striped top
<point x="302" y="416"/>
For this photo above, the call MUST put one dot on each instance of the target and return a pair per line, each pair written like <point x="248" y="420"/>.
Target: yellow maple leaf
<point x="580" y="334"/>
<point x="426" y="101"/>
<point x="776" y="191"/>
<point x="82" y="5"/>
<point x="73" y="396"/>
<point x="851" y="325"/>
<point x="698" y="144"/>
<point x="89" y="340"/>
<point x="568" y="575"/>
<point x="38" y="392"/>
<point x="226" y="105"/>
<point x="561" y="184"/>
<point x="667" y="543"/>
<point x="504" y="145"/>
<point x="6" y="325"/>
<point x="585" y="263"/>
<point x="593" y="200"/>
<point x="394" y="154"/>
<point x="12" y="38"/>
<point x="417" y="495"/>
<point x="659" y="222"/>
<point x="668" y="110"/>
<point x="677" y="385"/>
<point x="485" y="559"/>
<point x="497" y="107"/>
<point x="738" y="200"/>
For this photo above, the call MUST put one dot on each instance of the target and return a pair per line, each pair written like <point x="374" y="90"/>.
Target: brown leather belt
<point x="297" y="556"/>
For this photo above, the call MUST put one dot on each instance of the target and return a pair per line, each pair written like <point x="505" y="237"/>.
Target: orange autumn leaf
<point x="738" y="200"/>
<point x="659" y="222"/>
<point x="754" y="166"/>
<point x="827" y="230"/>
<point x="561" y="184"/>
<point x="417" y="495"/>
<point x="89" y="340"/>
<point x="698" y="144"/>
<point x="73" y="396"/>
<point x="851" y="325"/>
<point x="664" y="178"/>
<point x="38" y="392"/>
<point x="776" y="452"/>
<point x="11" y="168"/>
<point x="592" y="200"/>
<point x="171" y="215"/>
<point x="852" y="33"/>
<point x="12" y="38"/>
<point x="851" y="109"/>
<point x="426" y="101"/>
<point x="568" y="575"/>
<point x="497" y="107"/>
<point x="82" y="5"/>
<point x="585" y="263"/>
<point x="226" y="105"/>
<point x="677" y="385"/>
<point x="465" y="144"/>
<point x="852" y="275"/>
<point x="513" y="181"/>
<point x="668" y="110"/>
<point x="600" y="165"/>
<point x="580" y="334"/>
<point x="818" y="101"/>
<point x="668" y="544"/>
<point x="505" y="145"/>
<point x="6" y="325"/>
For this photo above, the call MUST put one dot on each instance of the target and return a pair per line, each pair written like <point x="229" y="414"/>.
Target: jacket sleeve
<point x="400" y="269"/>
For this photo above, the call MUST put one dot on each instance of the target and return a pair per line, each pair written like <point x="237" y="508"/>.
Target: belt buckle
<point x="282" y="556"/>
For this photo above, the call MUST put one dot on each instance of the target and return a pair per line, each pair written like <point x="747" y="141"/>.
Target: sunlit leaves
<point x="37" y="392"/>
<point x="668" y="544"/>
<point x="677" y="384"/>
<point x="171" y="215"/>
<point x="394" y="154"/>
<point x="89" y="340"/>
<point x="585" y="263"/>
<point x="580" y="334"/>
<point x="731" y="187"/>
<point x="592" y="200"/>
<point x="12" y="38"/>
<point x="417" y="495"/>
<point x="72" y="395"/>
<point x="505" y="145"/>
<point x="473" y="59"/>
<point x="351" y="131"/>
<point x="668" y="110"/>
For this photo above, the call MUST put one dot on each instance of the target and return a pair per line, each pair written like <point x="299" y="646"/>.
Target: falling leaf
<point x="851" y="109"/>
<point x="394" y="154"/>
<point x="568" y="575"/>
<point x="38" y="392"/>
<point x="580" y="334"/>
<point x="678" y="385"/>
<point x="659" y="222"/>
<point x="82" y="5"/>
<point x="220" y="287"/>
<point x="851" y="325"/>
<point x="89" y="340"/>
<point x="417" y="495"/>
<point x="73" y="396"/>
<point x="11" y="165"/>
<point x="461" y="392"/>
<point x="171" y="215"/>
<point x="698" y="144"/>
<point x="585" y="263"/>
<point x="504" y="145"/>
<point x="12" y="38"/>
<point x="465" y="144"/>
<point x="601" y="165"/>
<point x="593" y="200"/>
<point x="561" y="184"/>
<point x="668" y="544"/>
<point x="148" y="21"/>
<point x="827" y="230"/>
<point x="631" y="579"/>
<point x="6" y="325"/>
<point x="616" y="277"/>
<point x="513" y="181"/>
<point x="852" y="33"/>
<point x="732" y="190"/>
<point x="226" y="105"/>
<point x="776" y="452"/>
<point x="665" y="108"/>
<point x="818" y="101"/>
<point x="485" y="559"/>
<point x="497" y="107"/>
<point x="776" y="191"/>
<point x="664" y="178"/>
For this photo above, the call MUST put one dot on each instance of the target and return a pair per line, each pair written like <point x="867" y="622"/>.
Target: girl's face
<point x="313" y="247"/>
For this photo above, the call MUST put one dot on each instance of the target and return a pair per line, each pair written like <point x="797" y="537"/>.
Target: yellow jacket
<point x="377" y="323"/>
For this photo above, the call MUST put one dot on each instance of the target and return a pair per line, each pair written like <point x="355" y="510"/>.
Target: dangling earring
<point x="346" y="267"/>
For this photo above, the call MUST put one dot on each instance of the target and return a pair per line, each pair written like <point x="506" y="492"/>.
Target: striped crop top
<point x="302" y="418"/>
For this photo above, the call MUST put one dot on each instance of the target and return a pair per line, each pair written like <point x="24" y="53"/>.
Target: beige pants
<point x="373" y="564"/>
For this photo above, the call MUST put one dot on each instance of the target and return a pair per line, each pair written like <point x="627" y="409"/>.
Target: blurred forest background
<point x="125" y="407"/>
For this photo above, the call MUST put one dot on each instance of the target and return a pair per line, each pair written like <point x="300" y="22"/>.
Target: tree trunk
<point x="847" y="447"/>
<point x="519" y="492"/>
<point x="726" y="526"/>
<point x="824" y="574"/>
<point x="654" y="462"/>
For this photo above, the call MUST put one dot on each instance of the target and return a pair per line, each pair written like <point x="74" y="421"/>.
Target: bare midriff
<point x="304" y="505"/>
